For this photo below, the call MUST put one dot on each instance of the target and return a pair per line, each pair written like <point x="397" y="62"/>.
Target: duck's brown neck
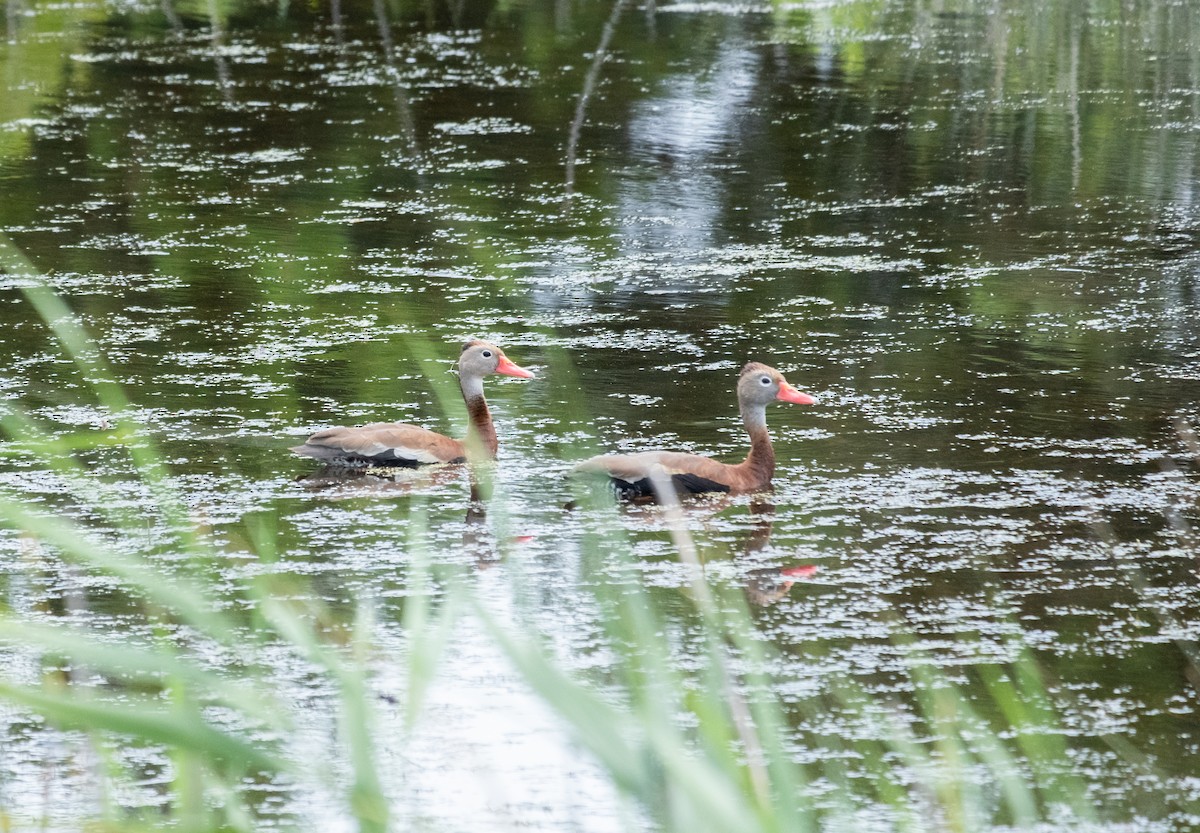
<point x="481" y="433"/>
<point x="760" y="462"/>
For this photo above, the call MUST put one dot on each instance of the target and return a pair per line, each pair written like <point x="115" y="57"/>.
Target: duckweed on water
<point x="968" y="232"/>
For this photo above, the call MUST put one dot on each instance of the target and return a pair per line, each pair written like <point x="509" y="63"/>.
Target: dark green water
<point x="969" y="229"/>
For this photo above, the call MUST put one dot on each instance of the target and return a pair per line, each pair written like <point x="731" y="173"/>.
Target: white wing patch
<point x="420" y="455"/>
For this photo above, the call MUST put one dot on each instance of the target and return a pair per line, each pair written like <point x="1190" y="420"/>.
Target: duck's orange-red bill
<point x="509" y="369"/>
<point x="787" y="393"/>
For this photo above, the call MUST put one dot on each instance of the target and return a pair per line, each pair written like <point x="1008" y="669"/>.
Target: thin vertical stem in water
<point x="589" y="86"/>
<point x="172" y="16"/>
<point x="562" y="16"/>
<point x="403" y="109"/>
<point x="13" y="11"/>
<point x="217" y="38"/>
<point x="335" y="22"/>
<point x="1073" y="103"/>
<point x="997" y="35"/>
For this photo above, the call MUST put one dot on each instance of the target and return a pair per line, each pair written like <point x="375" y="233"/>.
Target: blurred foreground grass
<point x="701" y="749"/>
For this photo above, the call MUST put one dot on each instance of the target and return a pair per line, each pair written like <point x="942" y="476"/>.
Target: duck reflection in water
<point x="478" y="539"/>
<point x="479" y="536"/>
<point x="763" y="585"/>
<point x="767" y="585"/>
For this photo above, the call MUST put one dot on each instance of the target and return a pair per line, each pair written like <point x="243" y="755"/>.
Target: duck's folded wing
<point x="384" y="443"/>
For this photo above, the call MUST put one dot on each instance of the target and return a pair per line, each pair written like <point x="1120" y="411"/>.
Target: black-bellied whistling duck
<point x="758" y="385"/>
<point x="401" y="444"/>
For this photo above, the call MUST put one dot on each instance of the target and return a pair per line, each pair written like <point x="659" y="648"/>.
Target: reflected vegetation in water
<point x="972" y="228"/>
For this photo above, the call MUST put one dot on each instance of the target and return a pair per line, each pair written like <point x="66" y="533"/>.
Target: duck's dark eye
<point x="487" y="354"/>
<point x="766" y="380"/>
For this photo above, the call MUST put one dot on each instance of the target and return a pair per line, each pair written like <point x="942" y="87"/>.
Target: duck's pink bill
<point x="787" y="393"/>
<point x="509" y="369"/>
<point x="799" y="572"/>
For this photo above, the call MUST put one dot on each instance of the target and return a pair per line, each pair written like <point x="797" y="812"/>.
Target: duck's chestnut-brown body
<point x="402" y="444"/>
<point x="633" y="475"/>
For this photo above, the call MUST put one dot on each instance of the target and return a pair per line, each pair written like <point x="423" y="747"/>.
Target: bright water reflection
<point x="970" y="232"/>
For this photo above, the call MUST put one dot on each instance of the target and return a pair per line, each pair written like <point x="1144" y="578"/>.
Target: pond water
<point x="968" y="229"/>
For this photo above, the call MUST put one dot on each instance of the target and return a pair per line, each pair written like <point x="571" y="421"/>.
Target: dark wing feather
<point x="630" y="474"/>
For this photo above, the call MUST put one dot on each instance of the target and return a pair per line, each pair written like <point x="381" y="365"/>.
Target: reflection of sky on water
<point x="488" y="755"/>
<point x="679" y="139"/>
<point x="671" y="190"/>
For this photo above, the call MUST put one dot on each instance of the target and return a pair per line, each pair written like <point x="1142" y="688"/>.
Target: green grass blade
<point x="146" y="722"/>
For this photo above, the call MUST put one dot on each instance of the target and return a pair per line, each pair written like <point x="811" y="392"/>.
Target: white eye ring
<point x="487" y="354"/>
<point x="766" y="380"/>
